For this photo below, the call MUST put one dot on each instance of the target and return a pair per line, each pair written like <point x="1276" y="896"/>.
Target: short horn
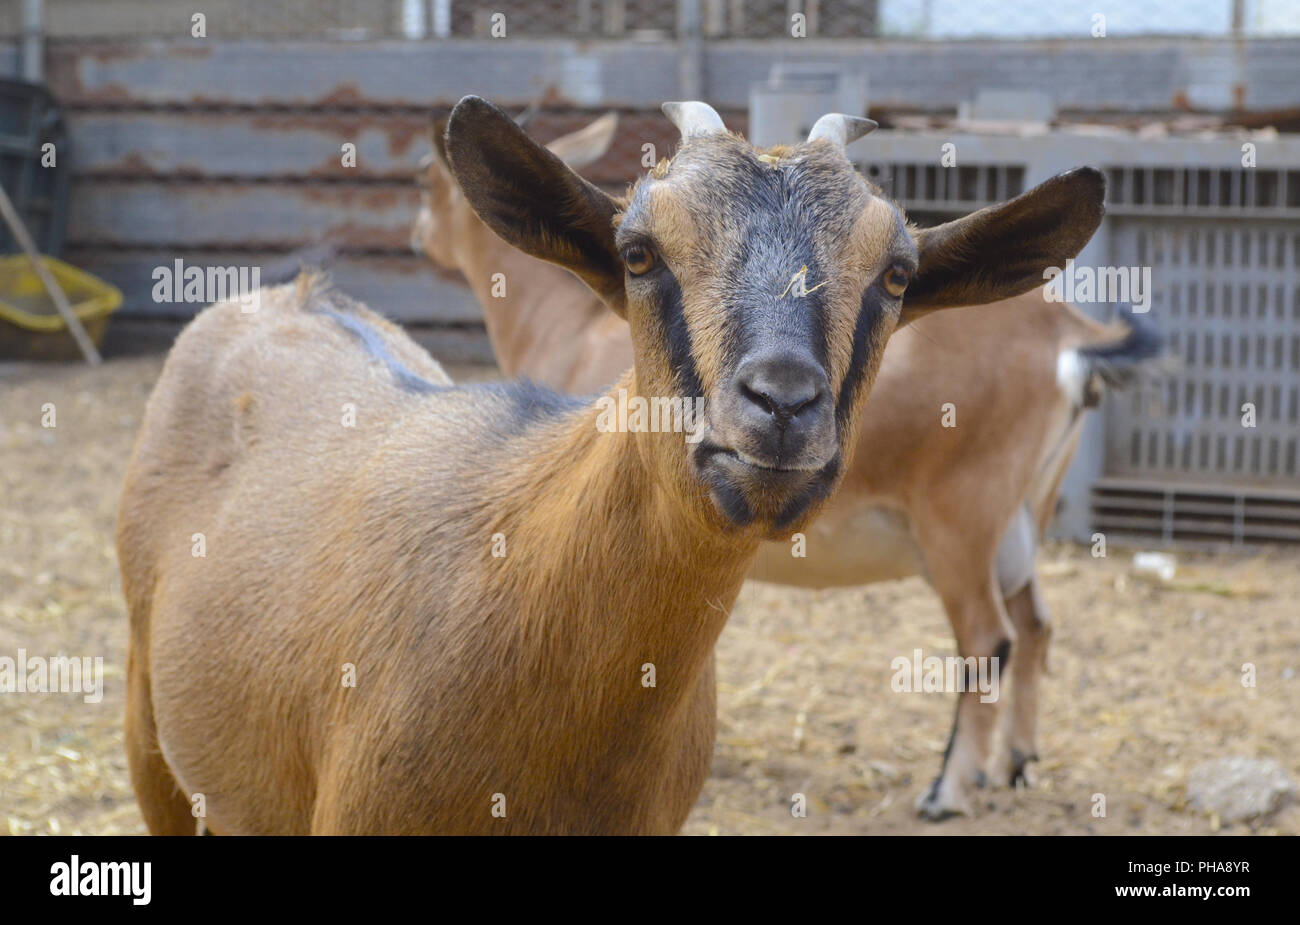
<point x="840" y="129"/>
<point x="694" y="118"/>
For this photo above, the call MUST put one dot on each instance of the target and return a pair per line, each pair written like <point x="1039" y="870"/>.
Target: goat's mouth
<point x="762" y="466"/>
<point x="770" y="495"/>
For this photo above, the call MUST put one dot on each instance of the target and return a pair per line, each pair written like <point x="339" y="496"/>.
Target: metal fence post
<point x="690" y="51"/>
<point x="34" y="40"/>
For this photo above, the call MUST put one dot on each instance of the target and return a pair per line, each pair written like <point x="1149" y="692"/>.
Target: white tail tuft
<point x="1072" y="375"/>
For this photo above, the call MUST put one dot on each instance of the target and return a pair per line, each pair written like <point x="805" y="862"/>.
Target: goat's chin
<point x="768" y="503"/>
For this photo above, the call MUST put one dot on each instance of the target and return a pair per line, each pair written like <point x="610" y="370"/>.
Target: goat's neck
<point x="539" y="300"/>
<point x="616" y="562"/>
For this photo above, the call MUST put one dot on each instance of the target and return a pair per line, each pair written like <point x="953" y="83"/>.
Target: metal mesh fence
<point x="649" y="20"/>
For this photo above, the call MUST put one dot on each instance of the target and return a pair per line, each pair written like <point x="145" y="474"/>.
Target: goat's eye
<point x="895" y="281"/>
<point x="639" y="259"/>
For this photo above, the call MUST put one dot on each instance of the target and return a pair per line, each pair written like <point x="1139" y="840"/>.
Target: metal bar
<point x="1167" y="528"/>
<point x="34" y="41"/>
<point x="690" y="51"/>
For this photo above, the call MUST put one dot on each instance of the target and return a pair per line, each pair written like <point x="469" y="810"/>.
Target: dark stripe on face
<point x="677" y="337"/>
<point x="869" y="315"/>
<point x="763" y="310"/>
<point x="815" y="305"/>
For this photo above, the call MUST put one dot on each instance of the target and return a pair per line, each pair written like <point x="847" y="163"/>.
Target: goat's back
<point x="283" y="438"/>
<point x="270" y="404"/>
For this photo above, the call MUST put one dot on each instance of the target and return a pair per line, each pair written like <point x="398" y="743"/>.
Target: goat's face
<point x="765" y="282"/>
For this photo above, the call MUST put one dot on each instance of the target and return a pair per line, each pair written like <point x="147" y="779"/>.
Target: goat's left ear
<point x="1002" y="251"/>
<point x="533" y="200"/>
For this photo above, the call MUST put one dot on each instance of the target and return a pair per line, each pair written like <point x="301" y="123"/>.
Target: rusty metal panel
<point x="1122" y="74"/>
<point x="241" y="215"/>
<point x="403" y="287"/>
<point x="413" y="74"/>
<point x="247" y="144"/>
<point x="261" y="145"/>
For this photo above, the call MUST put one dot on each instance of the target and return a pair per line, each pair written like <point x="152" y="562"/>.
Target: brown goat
<point x="919" y="498"/>
<point x="526" y="605"/>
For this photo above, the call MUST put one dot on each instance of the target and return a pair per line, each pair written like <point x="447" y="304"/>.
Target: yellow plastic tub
<point x="31" y="327"/>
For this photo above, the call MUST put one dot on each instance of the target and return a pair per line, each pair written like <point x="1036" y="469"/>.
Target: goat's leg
<point x="961" y="570"/>
<point x="1017" y="742"/>
<point x="163" y="804"/>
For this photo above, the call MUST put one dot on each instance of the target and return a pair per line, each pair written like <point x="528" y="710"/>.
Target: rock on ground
<point x="1239" y="789"/>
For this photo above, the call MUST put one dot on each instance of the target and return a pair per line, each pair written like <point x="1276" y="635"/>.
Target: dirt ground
<point x="1144" y="683"/>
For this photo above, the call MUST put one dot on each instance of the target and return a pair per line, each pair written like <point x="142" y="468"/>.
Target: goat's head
<point x="765" y="281"/>
<point x="441" y="222"/>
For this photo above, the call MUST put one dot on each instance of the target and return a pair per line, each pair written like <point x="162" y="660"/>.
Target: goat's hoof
<point x="1020" y="775"/>
<point x="1012" y="768"/>
<point x="936" y="804"/>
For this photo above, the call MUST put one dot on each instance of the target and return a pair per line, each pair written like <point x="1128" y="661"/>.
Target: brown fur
<point x="261" y="725"/>
<point x="953" y="490"/>
<point x="369" y="546"/>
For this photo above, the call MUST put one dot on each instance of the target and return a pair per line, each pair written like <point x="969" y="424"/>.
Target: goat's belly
<point x="849" y="544"/>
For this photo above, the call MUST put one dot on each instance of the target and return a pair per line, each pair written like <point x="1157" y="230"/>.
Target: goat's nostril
<point x="798" y="404"/>
<point x="759" y="397"/>
<point x="781" y="389"/>
<point x="784" y="407"/>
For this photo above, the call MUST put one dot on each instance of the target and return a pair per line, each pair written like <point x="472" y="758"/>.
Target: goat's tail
<point x="1085" y="372"/>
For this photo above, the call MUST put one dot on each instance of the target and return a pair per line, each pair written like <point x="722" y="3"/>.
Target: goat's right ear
<point x="530" y="198"/>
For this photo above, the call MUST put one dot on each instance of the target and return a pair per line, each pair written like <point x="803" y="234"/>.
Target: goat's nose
<point x="783" y="386"/>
